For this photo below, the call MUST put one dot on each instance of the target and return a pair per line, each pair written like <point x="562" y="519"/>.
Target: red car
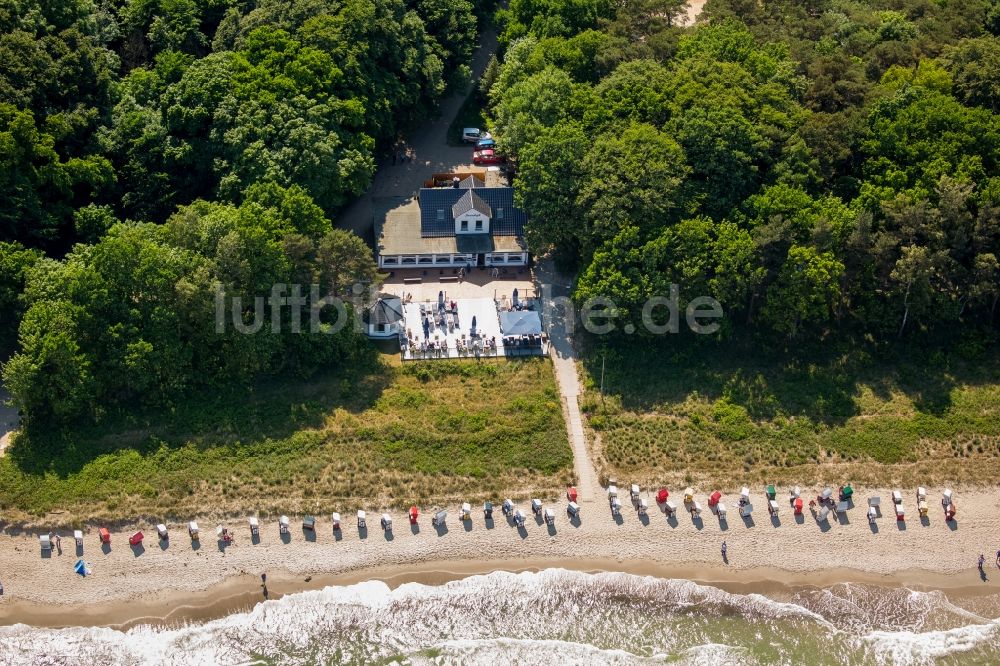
<point x="487" y="156"/>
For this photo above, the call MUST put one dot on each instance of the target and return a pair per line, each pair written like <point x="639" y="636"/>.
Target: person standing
<point x="982" y="559"/>
<point x="724" y="552"/>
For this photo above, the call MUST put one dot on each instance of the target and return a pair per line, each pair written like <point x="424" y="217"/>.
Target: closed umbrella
<point x="515" y="297"/>
<point x="473" y="326"/>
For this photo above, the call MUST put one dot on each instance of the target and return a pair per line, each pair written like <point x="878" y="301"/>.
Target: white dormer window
<point x="479" y="225"/>
<point x="440" y="214"/>
<point x="499" y="214"/>
<point x="465" y="225"/>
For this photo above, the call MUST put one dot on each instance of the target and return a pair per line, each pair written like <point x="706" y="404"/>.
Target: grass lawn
<point x="724" y="416"/>
<point x="397" y="435"/>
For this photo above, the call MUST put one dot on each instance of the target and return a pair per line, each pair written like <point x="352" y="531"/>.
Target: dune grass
<point x="393" y="436"/>
<point x="724" y="416"/>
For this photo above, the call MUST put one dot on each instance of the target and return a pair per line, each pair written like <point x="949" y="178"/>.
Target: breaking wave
<point x="550" y="617"/>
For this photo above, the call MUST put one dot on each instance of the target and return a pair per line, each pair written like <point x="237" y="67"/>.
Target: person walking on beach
<point x="982" y="559"/>
<point x="724" y="552"/>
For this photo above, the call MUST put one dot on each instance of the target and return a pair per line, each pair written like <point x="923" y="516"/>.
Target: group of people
<point x="982" y="562"/>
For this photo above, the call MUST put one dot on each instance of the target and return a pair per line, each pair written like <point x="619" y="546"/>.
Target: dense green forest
<point x="153" y="149"/>
<point x="815" y="165"/>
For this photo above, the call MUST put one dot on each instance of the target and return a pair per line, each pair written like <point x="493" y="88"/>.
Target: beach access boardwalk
<point x="564" y="360"/>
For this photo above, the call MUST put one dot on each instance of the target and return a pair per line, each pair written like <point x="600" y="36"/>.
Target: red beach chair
<point x="662" y="495"/>
<point x="104" y="535"/>
<point x="414" y="512"/>
<point x="571" y="494"/>
<point x="135" y="539"/>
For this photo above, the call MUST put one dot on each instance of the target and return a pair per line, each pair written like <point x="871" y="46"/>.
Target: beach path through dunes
<point x="554" y="288"/>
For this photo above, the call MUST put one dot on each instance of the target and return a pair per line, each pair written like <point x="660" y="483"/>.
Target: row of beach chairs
<point x="821" y="507"/>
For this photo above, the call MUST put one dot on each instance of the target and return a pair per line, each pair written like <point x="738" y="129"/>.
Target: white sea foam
<point x="550" y="617"/>
<point x="907" y="647"/>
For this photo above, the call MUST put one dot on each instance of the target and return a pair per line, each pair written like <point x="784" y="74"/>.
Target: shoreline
<point x="170" y="583"/>
<point x="242" y="593"/>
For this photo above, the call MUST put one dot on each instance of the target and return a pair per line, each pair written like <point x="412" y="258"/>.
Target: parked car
<point x="484" y="144"/>
<point x="481" y="157"/>
<point x="473" y="134"/>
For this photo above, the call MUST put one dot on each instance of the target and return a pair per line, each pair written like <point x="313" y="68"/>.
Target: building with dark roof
<point x="384" y="318"/>
<point x="468" y="223"/>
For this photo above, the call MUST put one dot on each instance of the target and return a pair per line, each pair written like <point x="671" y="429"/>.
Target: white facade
<point x="452" y="260"/>
<point x="507" y="259"/>
<point x="425" y="260"/>
<point x="472" y="222"/>
<point x="384" y="331"/>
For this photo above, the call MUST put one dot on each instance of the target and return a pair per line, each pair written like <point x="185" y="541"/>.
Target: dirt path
<point x="564" y="359"/>
<point x="396" y="182"/>
<point x="9" y="420"/>
<point x="430" y="152"/>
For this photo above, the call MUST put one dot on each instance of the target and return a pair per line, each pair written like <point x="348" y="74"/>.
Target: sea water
<point x="553" y="617"/>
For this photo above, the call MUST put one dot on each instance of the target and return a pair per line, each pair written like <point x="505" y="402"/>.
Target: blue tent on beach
<point x="82" y="568"/>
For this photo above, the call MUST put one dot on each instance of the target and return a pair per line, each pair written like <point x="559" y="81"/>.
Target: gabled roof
<point x="470" y="182"/>
<point x="386" y="310"/>
<point x="505" y="218"/>
<point x="470" y="201"/>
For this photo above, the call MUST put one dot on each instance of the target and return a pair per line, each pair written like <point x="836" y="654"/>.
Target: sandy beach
<point x="168" y="583"/>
